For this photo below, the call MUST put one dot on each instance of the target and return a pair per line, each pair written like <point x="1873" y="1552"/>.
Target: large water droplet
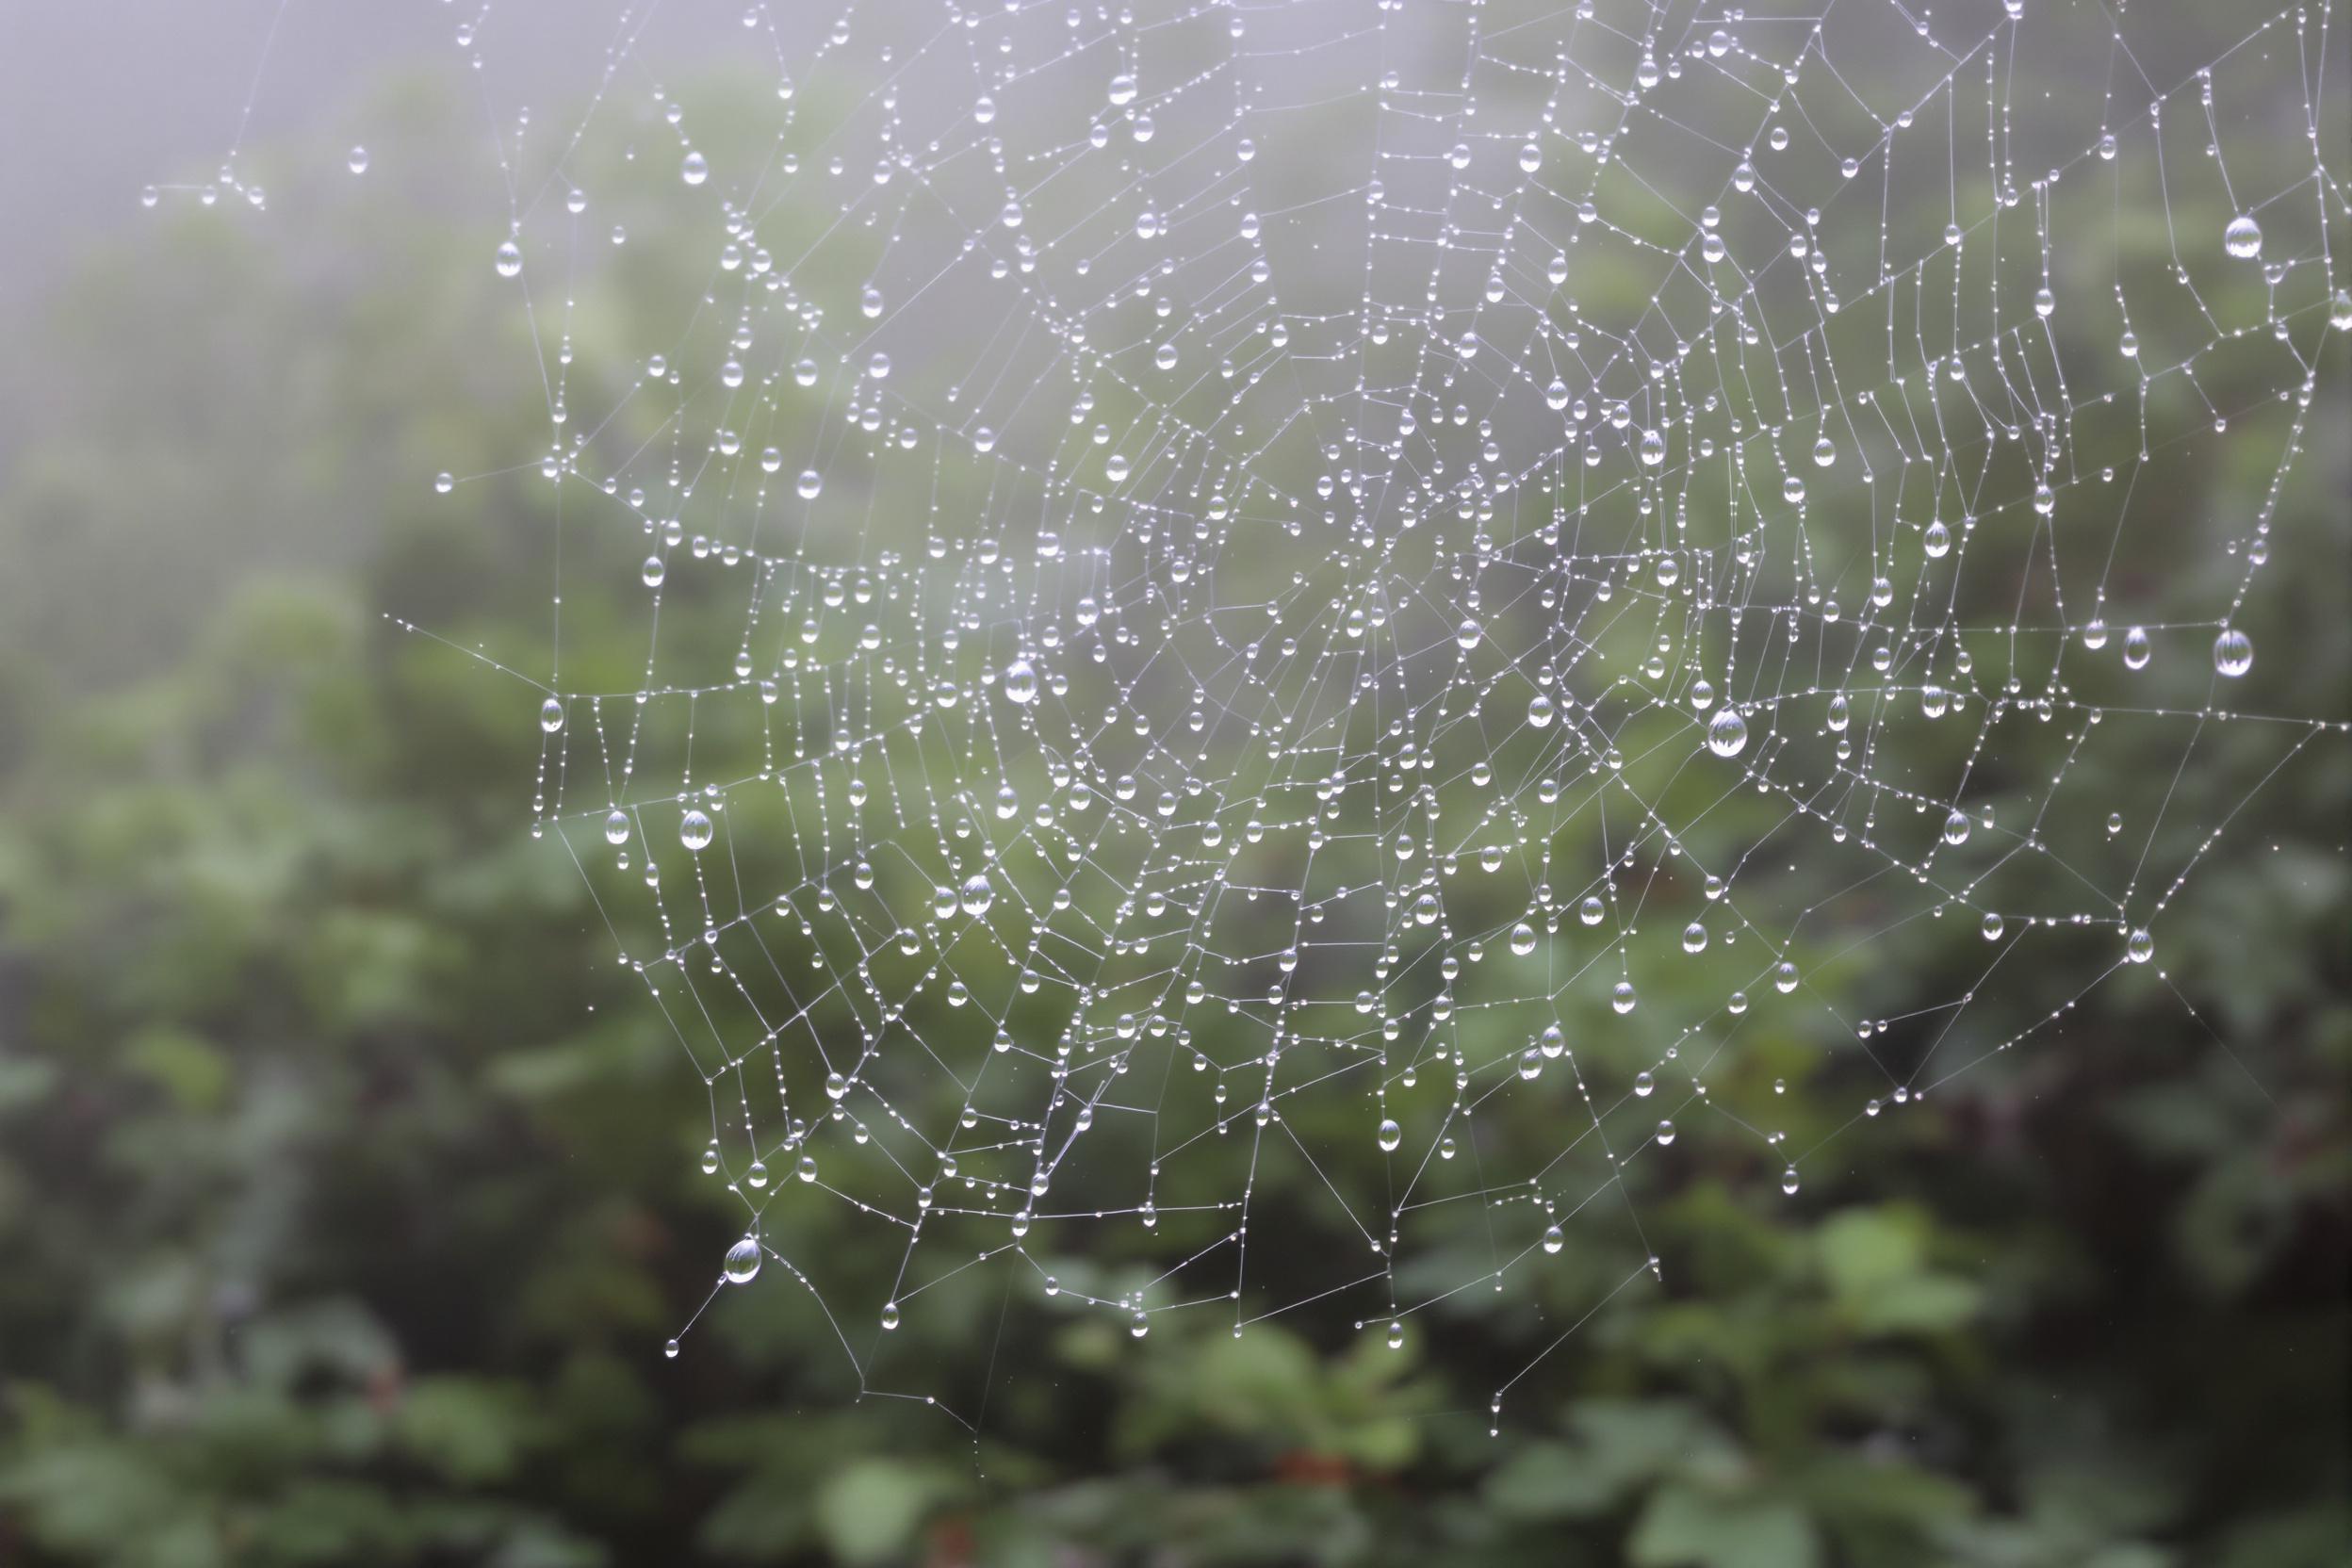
<point x="1726" y="732"/>
<point x="2234" y="652"/>
<point x="1021" y="682"/>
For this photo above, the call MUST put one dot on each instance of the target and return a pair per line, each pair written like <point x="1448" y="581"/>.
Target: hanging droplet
<point x="977" y="895"/>
<point x="1021" y="682"/>
<point x="693" y="830"/>
<point x="2234" y="652"/>
<point x="510" y="259"/>
<point x="742" y="1261"/>
<point x="694" y="169"/>
<point x="1726" y="732"/>
<point x="2243" y="238"/>
<point x="551" y="710"/>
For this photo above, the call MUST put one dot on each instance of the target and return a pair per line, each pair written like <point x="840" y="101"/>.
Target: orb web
<point x="1381" y="600"/>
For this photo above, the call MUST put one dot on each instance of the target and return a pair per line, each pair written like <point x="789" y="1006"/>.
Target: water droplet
<point x="2243" y="238"/>
<point x="694" y="169"/>
<point x="1726" y="732"/>
<point x="510" y="259"/>
<point x="2234" y="652"/>
<point x="977" y="895"/>
<point x="1021" y="682"/>
<point x="693" y="830"/>
<point x="742" y="1261"/>
<point x="357" y="161"/>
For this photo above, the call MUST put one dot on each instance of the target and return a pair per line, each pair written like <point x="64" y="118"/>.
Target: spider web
<point x="1378" y="601"/>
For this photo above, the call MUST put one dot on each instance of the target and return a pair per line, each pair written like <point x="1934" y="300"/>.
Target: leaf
<point x="1618" y="1446"/>
<point x="1684" y="1527"/>
<point x="1876" y="1262"/>
<point x="469" y="1428"/>
<point x="868" y="1510"/>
